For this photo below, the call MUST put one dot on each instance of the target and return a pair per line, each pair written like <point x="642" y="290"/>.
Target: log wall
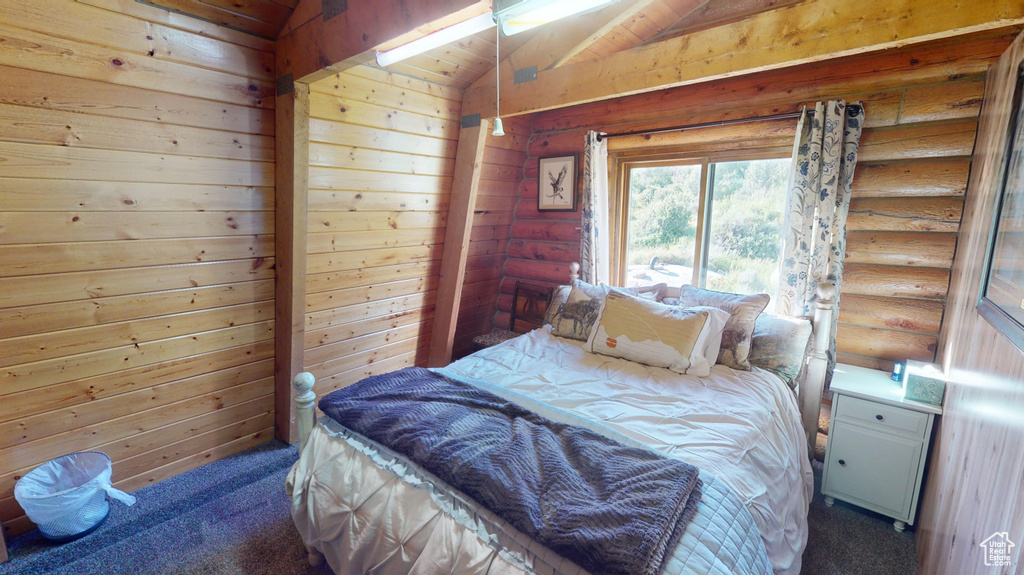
<point x="381" y="154"/>
<point x="136" y="235"/>
<point x="922" y="106"/>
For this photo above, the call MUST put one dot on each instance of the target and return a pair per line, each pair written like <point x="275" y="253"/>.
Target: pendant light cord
<point x="497" y="69"/>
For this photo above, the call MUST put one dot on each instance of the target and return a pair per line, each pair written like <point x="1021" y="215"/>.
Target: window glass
<point x="663" y="203"/>
<point x="748" y="200"/>
<point x="743" y="209"/>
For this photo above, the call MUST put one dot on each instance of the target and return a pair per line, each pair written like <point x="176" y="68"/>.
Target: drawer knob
<point x="879" y="417"/>
<point x="842" y="462"/>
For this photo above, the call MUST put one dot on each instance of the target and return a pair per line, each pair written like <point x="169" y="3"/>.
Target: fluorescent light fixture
<point x="436" y="39"/>
<point x="515" y="17"/>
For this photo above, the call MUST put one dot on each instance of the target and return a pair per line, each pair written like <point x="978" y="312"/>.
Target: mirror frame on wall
<point x="994" y="313"/>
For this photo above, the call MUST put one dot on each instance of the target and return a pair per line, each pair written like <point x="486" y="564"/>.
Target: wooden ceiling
<point x="620" y="26"/>
<point x="263" y="18"/>
<point x="461" y="63"/>
<point x="627" y="47"/>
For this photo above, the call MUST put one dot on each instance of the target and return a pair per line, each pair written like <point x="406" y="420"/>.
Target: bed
<point x="369" y="509"/>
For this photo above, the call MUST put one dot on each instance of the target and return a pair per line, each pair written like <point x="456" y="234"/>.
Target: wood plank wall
<point x="496" y="201"/>
<point x="382" y="154"/>
<point x="136" y="235"/>
<point x="922" y="106"/>
<point x="974" y="486"/>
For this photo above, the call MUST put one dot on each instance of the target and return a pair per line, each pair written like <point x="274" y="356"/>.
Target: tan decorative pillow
<point x="573" y="310"/>
<point x="652" y="292"/>
<point x="654" y="334"/>
<point x="743" y="310"/>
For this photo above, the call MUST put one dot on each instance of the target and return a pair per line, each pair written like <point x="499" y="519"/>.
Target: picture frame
<point x="1001" y="299"/>
<point x="556" y="184"/>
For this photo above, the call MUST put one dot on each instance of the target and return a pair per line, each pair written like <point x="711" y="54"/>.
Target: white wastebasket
<point x="67" y="497"/>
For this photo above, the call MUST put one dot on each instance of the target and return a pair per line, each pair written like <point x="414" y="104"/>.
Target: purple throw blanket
<point x="610" y="508"/>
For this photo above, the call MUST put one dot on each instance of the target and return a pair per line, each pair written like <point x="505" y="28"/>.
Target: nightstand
<point x="877" y="444"/>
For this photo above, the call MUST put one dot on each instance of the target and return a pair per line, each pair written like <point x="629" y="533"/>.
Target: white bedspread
<point x="371" y="511"/>
<point x="744" y="427"/>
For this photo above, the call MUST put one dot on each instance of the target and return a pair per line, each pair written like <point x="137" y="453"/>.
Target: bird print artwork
<point x="556" y="183"/>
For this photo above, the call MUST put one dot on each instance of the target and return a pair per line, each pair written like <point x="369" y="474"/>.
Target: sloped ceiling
<point x="620" y="26"/>
<point x="263" y="18"/>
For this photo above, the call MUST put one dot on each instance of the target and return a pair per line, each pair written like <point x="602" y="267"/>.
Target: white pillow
<point x="718" y="318"/>
<point x="657" y="335"/>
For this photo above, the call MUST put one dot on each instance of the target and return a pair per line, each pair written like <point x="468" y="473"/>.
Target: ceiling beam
<point x="578" y="40"/>
<point x="810" y="31"/>
<point x="554" y="44"/>
<point x="711" y="14"/>
<point x="469" y="166"/>
<point x="317" y="48"/>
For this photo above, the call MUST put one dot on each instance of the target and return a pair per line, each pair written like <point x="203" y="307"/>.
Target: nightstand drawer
<point x="882" y="417"/>
<point x="872" y="469"/>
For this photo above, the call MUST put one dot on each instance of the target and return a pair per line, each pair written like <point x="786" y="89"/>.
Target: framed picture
<point x="1002" y="293"/>
<point x="556" y="184"/>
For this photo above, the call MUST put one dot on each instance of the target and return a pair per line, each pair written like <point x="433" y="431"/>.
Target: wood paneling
<point x="264" y="18"/>
<point x="382" y="156"/>
<point x="136" y="231"/>
<point x="921" y="117"/>
<point x="973" y="488"/>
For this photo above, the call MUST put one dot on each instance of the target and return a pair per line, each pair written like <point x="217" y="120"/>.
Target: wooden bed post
<point x="574" y="272"/>
<point x="305" y="406"/>
<point x="817" y="365"/>
<point x="305" y="419"/>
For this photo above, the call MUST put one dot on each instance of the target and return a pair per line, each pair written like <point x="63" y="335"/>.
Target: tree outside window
<point x="712" y="224"/>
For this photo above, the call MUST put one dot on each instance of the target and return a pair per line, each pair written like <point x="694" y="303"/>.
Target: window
<point x="705" y="221"/>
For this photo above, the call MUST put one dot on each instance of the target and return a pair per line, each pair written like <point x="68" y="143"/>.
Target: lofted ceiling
<point x="617" y="27"/>
<point x="263" y="18"/>
<point x="627" y="47"/>
<point x="463" y="62"/>
<point x="620" y="26"/>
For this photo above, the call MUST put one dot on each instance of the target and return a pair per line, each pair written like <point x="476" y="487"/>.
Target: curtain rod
<point x="714" y="124"/>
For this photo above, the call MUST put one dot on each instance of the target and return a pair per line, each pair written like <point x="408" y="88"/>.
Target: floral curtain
<point x="594" y="254"/>
<point x="814" y="242"/>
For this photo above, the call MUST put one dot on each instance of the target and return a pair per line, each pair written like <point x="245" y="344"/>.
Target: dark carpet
<point x="848" y="540"/>
<point x="232" y="516"/>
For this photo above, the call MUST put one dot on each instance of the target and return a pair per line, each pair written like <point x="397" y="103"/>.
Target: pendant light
<point x="498" y="129"/>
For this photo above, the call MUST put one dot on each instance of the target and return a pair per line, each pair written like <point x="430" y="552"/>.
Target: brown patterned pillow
<point x="574" y="308"/>
<point x="743" y="310"/>
<point x="781" y="345"/>
<point x="558" y="299"/>
<point x="576" y="316"/>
